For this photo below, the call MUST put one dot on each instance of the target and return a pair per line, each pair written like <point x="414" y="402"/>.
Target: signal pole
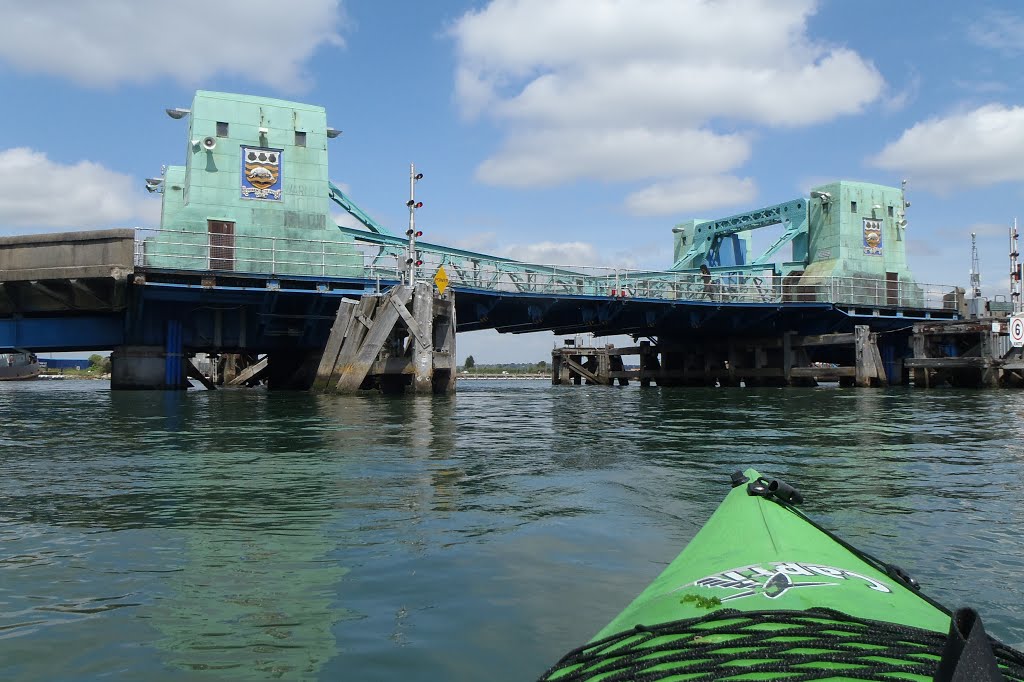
<point x="412" y="260"/>
<point x="1015" y="269"/>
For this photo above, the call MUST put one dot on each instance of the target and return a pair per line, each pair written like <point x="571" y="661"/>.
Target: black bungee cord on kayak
<point x="800" y="646"/>
<point x="818" y="643"/>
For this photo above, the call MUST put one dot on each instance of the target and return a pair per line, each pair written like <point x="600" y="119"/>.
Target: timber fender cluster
<point x="852" y="359"/>
<point x="401" y="339"/>
<point x="964" y="354"/>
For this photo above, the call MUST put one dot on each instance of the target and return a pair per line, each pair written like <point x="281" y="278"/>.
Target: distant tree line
<point x="98" y="363"/>
<point x="470" y="366"/>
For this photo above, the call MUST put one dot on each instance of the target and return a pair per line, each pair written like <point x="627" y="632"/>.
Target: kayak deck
<point x="763" y="593"/>
<point x="756" y="554"/>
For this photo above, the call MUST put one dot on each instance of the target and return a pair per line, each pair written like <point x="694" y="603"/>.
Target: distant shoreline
<point x="504" y="376"/>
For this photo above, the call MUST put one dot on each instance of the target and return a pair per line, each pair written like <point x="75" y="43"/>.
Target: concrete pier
<point x="145" y="367"/>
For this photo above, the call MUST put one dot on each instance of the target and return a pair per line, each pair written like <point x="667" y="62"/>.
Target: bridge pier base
<point x="401" y="340"/>
<point x="146" y="368"/>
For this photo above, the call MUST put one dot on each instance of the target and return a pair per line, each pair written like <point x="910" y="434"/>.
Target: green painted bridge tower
<point x="848" y="234"/>
<point x="856" y="229"/>
<point x="253" y="195"/>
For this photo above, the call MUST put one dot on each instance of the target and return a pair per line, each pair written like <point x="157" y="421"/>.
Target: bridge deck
<point x="93" y="290"/>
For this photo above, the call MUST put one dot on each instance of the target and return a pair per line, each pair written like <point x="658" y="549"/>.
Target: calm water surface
<point x="243" y="535"/>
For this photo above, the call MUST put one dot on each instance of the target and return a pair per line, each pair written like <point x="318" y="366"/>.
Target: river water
<point x="246" y="535"/>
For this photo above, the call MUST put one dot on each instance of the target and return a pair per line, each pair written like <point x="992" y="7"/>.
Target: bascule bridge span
<point x="248" y="261"/>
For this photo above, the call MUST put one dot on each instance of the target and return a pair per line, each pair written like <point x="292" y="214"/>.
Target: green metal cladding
<point x="277" y="205"/>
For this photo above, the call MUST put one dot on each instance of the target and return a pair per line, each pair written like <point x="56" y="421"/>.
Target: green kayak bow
<point x="764" y="593"/>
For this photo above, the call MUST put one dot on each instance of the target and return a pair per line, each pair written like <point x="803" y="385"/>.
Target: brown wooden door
<point x="222" y="244"/>
<point x="892" y="288"/>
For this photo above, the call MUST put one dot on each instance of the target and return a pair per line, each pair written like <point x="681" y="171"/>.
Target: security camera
<point x="209" y="143"/>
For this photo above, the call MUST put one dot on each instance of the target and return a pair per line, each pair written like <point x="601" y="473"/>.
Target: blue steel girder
<point x="791" y="214"/>
<point x="57" y="333"/>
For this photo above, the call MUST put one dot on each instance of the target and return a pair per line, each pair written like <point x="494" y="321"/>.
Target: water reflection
<point x="239" y="578"/>
<point x="250" y="535"/>
<point x="255" y="593"/>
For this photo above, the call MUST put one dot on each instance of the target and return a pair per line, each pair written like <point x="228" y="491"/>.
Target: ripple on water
<point x="249" y="535"/>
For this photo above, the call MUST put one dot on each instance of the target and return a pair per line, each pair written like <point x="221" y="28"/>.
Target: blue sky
<point x="566" y="131"/>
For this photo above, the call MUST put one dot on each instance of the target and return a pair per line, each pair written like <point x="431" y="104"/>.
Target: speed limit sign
<point x="1017" y="331"/>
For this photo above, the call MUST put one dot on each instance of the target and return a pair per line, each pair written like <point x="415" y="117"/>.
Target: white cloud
<point x="553" y="253"/>
<point x="983" y="87"/>
<point x="42" y="194"/>
<point x="805" y="184"/>
<point x="692" y="195"/>
<point x="102" y="43"/>
<point x="481" y="242"/>
<point x="970" y="149"/>
<point x="346" y="219"/>
<point x="998" y="30"/>
<point x="898" y="99"/>
<point x="693" y="90"/>
<point x="665" y="90"/>
<point x="575" y="253"/>
<point x="546" y="157"/>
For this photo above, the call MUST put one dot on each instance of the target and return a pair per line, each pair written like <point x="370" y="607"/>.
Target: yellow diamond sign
<point x="441" y="280"/>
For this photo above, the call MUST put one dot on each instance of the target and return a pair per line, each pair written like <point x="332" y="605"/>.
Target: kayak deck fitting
<point x="764" y="593"/>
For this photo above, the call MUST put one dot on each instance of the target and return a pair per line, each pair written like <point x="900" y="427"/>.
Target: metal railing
<point x="252" y="254"/>
<point x="350" y="258"/>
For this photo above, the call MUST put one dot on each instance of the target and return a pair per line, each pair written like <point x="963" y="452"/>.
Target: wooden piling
<point x="966" y="353"/>
<point x="785" y="360"/>
<point x="251" y="374"/>
<point x="342" y="323"/>
<point x="382" y="343"/>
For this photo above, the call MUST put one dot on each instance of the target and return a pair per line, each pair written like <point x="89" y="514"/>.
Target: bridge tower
<point x="252" y="197"/>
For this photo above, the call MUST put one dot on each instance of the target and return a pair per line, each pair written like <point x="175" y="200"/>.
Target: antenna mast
<point x="975" y="268"/>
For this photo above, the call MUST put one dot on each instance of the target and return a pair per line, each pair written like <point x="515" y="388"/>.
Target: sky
<point x="553" y="131"/>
